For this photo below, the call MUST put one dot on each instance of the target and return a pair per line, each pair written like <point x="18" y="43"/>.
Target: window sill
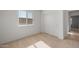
<point x="25" y="25"/>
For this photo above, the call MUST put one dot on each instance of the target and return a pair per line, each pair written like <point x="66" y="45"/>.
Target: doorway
<point x="74" y="25"/>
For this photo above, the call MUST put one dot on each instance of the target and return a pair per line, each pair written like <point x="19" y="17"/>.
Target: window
<point x="24" y="17"/>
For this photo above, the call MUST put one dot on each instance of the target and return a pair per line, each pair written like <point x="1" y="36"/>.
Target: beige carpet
<point x="39" y="44"/>
<point x="44" y="40"/>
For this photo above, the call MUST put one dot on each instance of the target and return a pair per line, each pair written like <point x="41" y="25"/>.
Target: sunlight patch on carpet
<point x="39" y="44"/>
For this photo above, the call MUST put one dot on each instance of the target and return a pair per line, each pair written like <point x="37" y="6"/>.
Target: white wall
<point x="60" y="24"/>
<point x="10" y="29"/>
<point x="52" y="22"/>
<point x="0" y="26"/>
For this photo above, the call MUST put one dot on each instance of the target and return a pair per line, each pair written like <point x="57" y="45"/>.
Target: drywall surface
<point x="52" y="22"/>
<point x="0" y="26"/>
<point x="61" y="24"/>
<point x="10" y="29"/>
<point x="66" y="24"/>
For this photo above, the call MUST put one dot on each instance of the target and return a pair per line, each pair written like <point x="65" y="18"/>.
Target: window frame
<point x="27" y="12"/>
